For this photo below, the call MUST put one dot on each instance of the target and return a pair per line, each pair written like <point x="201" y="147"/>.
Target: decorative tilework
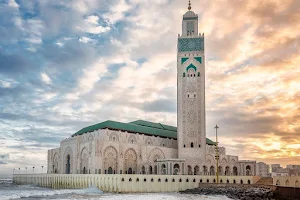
<point x="191" y="66"/>
<point x="190" y="26"/>
<point x="183" y="60"/>
<point x="190" y="44"/>
<point x="199" y="59"/>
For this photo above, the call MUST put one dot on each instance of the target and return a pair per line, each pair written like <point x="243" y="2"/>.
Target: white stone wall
<point x="125" y="183"/>
<point x="262" y="169"/>
<point x="287" y="181"/>
<point x="92" y="151"/>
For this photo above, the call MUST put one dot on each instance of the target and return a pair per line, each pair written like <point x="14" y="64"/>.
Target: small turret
<point x="190" y="22"/>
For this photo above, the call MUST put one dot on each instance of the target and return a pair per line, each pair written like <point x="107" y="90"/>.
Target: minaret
<point x="191" y="134"/>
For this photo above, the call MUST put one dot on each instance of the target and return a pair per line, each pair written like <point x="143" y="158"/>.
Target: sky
<point x="65" y="65"/>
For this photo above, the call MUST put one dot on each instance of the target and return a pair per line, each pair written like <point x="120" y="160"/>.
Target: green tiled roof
<point x="139" y="126"/>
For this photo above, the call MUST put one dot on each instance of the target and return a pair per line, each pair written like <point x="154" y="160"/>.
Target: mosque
<point x="143" y="147"/>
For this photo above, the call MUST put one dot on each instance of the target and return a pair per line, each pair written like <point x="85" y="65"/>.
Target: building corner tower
<point x="191" y="135"/>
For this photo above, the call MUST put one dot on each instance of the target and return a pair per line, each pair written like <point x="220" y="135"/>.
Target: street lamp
<point x="217" y="153"/>
<point x="42" y="168"/>
<point x="13" y="171"/>
<point x="33" y="169"/>
<point x="26" y="169"/>
<point x="19" y="170"/>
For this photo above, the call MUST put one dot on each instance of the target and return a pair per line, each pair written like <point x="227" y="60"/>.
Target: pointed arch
<point x="68" y="160"/>
<point x="191" y="66"/>
<point x="155" y="154"/>
<point x="55" y="164"/>
<point x="84" y="160"/>
<point x="110" y="159"/>
<point x="130" y="161"/>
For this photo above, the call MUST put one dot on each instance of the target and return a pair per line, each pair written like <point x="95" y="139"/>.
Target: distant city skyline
<point x="64" y="66"/>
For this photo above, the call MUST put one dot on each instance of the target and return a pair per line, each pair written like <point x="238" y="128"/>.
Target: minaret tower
<point x="191" y="134"/>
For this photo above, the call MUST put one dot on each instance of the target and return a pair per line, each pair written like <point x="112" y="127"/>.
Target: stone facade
<point x="262" y="169"/>
<point x="111" y="151"/>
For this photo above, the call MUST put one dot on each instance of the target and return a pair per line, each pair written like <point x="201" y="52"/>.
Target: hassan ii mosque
<point x="143" y="147"/>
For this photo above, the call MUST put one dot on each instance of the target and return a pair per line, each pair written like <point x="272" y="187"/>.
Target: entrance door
<point x="68" y="165"/>
<point x="110" y="170"/>
<point x="130" y="170"/>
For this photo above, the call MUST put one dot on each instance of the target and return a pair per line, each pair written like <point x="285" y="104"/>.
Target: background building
<point x="262" y="169"/>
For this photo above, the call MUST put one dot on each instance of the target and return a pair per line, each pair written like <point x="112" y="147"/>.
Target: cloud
<point x="13" y="3"/>
<point x="86" y="40"/>
<point x="46" y="78"/>
<point x="4" y="158"/>
<point x="5" y="84"/>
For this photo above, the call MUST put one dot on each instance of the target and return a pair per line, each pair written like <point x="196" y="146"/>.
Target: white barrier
<point x="123" y="183"/>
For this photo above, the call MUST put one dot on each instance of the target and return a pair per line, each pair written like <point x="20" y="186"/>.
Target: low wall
<point x="124" y="183"/>
<point x="287" y="181"/>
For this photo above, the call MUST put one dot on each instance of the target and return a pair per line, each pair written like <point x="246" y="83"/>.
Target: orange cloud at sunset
<point x="254" y="79"/>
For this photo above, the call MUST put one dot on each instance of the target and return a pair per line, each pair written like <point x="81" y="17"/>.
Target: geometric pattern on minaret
<point x="191" y="134"/>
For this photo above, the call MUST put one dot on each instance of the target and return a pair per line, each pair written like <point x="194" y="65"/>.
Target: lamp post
<point x="26" y="169"/>
<point x="217" y="153"/>
<point x="13" y="171"/>
<point x="19" y="170"/>
<point x="42" y="168"/>
<point x="33" y="169"/>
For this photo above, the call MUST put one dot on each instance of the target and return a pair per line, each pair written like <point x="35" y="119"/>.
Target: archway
<point x="176" y="169"/>
<point x="196" y="170"/>
<point x="110" y="159"/>
<point x="277" y="182"/>
<point x="235" y="171"/>
<point x="248" y="171"/>
<point x="163" y="169"/>
<point x="190" y="172"/>
<point x="143" y="170"/>
<point x="220" y="170"/>
<point x="227" y="171"/>
<point x="130" y="161"/>
<point x="68" y="165"/>
<point x="110" y="170"/>
<point x="287" y="183"/>
<point x="150" y="170"/>
<point x="84" y="160"/>
<point x="67" y="161"/>
<point x="55" y="164"/>
<point x="205" y="171"/>
<point x="212" y="171"/>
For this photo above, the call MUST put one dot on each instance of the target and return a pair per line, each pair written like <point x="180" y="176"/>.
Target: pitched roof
<point x="139" y="126"/>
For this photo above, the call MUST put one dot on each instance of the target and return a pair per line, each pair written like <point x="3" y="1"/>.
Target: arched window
<point x="192" y="145"/>
<point x="190" y="172"/>
<point x="176" y="169"/>
<point x="248" y="171"/>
